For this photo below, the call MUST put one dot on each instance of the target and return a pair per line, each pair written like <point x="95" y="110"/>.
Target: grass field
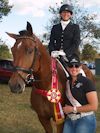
<point x="16" y="115"/>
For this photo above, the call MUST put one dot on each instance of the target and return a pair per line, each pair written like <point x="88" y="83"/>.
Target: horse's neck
<point x="45" y="67"/>
<point x="45" y="73"/>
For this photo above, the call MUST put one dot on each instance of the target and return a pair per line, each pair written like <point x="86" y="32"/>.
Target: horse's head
<point x="25" y="53"/>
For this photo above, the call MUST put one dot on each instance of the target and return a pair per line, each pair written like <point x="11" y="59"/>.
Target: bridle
<point x="30" y="70"/>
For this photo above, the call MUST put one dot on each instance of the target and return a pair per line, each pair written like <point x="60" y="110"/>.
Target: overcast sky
<point x="36" y="12"/>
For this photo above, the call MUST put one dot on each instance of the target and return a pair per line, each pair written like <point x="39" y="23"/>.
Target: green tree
<point x="4" y="51"/>
<point x="5" y="8"/>
<point x="89" y="52"/>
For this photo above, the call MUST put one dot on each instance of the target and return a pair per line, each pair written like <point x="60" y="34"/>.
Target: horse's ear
<point x="29" y="28"/>
<point x="12" y="35"/>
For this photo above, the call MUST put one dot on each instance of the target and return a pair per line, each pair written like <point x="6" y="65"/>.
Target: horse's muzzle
<point x="17" y="86"/>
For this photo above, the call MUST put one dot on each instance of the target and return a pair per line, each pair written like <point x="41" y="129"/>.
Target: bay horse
<point x="31" y="57"/>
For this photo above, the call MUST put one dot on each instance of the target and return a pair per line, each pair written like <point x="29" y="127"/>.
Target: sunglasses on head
<point x="73" y="65"/>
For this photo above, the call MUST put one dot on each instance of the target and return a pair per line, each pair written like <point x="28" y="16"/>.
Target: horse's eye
<point x="29" y="50"/>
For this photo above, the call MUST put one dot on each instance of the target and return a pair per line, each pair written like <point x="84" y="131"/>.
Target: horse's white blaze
<point x="18" y="46"/>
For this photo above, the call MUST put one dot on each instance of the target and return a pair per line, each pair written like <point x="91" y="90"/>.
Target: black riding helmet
<point x="66" y="7"/>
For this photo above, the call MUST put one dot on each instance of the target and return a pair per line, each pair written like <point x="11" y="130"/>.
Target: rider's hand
<point x="58" y="53"/>
<point x="54" y="54"/>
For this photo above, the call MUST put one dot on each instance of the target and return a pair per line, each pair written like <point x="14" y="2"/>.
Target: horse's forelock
<point x="28" y="31"/>
<point x="24" y="33"/>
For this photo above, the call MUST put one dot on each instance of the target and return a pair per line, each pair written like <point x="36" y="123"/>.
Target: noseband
<point x="30" y="70"/>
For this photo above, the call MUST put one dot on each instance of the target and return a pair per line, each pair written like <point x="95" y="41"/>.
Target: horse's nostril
<point x="15" y="88"/>
<point x="19" y="90"/>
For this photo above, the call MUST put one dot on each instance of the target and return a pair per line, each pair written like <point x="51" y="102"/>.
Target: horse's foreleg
<point x="57" y="128"/>
<point x="46" y="123"/>
<point x="53" y="124"/>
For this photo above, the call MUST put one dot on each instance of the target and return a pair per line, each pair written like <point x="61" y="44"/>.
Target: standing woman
<point x="81" y="101"/>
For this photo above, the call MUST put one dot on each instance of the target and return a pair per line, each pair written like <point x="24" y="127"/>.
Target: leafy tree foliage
<point x="5" y="8"/>
<point x="89" y="52"/>
<point x="4" y="51"/>
<point x="97" y="32"/>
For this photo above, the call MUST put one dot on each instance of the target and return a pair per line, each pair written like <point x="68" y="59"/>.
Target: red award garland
<point x="54" y="95"/>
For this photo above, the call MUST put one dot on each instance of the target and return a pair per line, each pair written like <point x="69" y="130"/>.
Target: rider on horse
<point x="65" y="36"/>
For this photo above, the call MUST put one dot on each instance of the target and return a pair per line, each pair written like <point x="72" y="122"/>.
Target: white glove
<point x="62" y="53"/>
<point x="54" y="54"/>
<point x="57" y="53"/>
